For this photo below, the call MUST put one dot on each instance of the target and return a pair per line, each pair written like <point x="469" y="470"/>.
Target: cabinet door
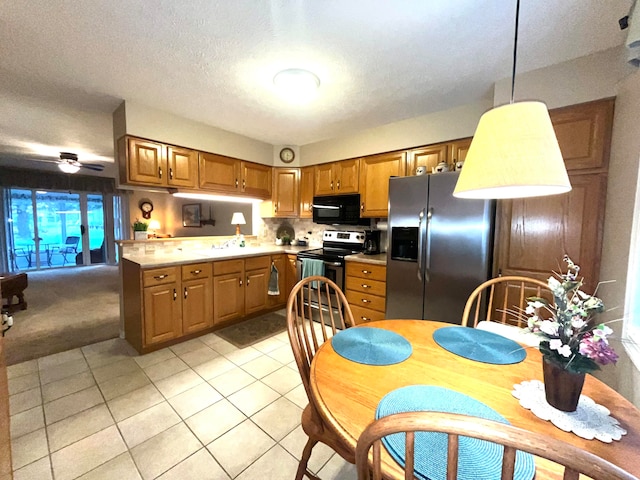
<point x="306" y="192"/>
<point x="197" y="305"/>
<point x="584" y="133"/>
<point x="256" y="179"/>
<point x="285" y="192"/>
<point x="219" y="173"/>
<point x="324" y="182"/>
<point x="255" y="299"/>
<point x="535" y="233"/>
<point x="146" y="161"/>
<point x="374" y="182"/>
<point x="427" y="157"/>
<point x="162" y="313"/>
<point x="280" y="261"/>
<point x="292" y="273"/>
<point x="458" y="150"/>
<point x="228" y="297"/>
<point x="182" y="164"/>
<point x="346" y="176"/>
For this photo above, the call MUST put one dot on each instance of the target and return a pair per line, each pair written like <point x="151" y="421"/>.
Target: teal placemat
<point x="477" y="459"/>
<point x="371" y="346"/>
<point x="479" y="345"/>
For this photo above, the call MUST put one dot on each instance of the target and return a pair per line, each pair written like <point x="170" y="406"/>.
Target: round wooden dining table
<point x="347" y="393"/>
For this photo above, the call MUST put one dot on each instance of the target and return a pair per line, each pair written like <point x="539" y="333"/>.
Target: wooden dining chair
<point x="503" y="299"/>
<point x="574" y="460"/>
<point x="317" y="308"/>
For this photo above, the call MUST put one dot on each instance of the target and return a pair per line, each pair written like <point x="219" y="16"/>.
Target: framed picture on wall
<point x="191" y="215"/>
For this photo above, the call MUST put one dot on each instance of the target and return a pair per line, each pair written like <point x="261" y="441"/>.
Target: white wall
<point x="147" y="122"/>
<point x="436" y="127"/>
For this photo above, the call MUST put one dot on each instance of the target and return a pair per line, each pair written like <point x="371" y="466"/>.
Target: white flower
<point x="563" y="350"/>
<point x="577" y="323"/>
<point x="533" y="306"/>
<point x="549" y="327"/>
<point x="555" y="286"/>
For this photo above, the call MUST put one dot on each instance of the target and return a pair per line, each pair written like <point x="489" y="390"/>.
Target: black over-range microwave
<point x="338" y="210"/>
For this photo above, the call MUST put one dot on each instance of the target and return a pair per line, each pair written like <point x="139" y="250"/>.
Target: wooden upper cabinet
<point x="255" y="179"/>
<point x="144" y="161"/>
<point x="286" y="192"/>
<point x="428" y="157"/>
<point x="458" y="150"/>
<point x="584" y="133"/>
<point x="337" y="178"/>
<point x="306" y="192"/>
<point x="182" y="165"/>
<point x="375" y="172"/>
<point x="219" y="173"/>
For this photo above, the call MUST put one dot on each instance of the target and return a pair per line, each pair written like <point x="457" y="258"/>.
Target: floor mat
<point x="254" y="330"/>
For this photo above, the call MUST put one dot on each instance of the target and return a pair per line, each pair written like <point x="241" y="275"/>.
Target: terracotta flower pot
<point x="562" y="388"/>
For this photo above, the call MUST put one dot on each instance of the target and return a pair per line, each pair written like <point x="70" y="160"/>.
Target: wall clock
<point x="287" y="155"/>
<point x="146" y="208"/>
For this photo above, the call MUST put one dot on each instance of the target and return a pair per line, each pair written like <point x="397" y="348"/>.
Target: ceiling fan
<point x="69" y="163"/>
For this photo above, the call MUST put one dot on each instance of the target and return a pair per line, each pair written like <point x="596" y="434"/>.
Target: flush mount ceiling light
<point x="514" y="152"/>
<point x="296" y="83"/>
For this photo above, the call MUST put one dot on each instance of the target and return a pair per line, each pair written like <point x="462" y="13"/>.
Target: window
<point x="631" y="331"/>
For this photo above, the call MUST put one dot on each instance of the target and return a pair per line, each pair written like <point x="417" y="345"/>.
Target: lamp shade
<point x="514" y="154"/>
<point x="238" y="219"/>
<point x="154" y="225"/>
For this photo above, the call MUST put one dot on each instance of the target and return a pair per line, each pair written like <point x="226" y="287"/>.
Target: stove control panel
<point x="342" y="236"/>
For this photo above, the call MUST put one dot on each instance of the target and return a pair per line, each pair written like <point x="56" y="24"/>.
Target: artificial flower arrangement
<point x="572" y="339"/>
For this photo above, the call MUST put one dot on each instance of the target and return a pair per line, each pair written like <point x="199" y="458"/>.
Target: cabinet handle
<point x="195" y="272"/>
<point x="240" y="280"/>
<point x="175" y="295"/>
<point x="171" y="173"/>
<point x="248" y="281"/>
<point x="364" y="300"/>
<point x="331" y="184"/>
<point x="338" y="184"/>
<point x="275" y="208"/>
<point x="160" y="277"/>
<point x="160" y="172"/>
<point x="244" y="184"/>
<point x="362" y="207"/>
<point x="364" y="285"/>
<point x="185" y="293"/>
<point x="365" y="319"/>
<point x="236" y="183"/>
<point x="366" y="272"/>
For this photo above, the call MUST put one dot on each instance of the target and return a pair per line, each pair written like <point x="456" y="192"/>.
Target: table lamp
<point x="238" y="219"/>
<point x="154" y="226"/>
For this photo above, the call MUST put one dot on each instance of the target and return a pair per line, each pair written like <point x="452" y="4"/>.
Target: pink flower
<point x="598" y="350"/>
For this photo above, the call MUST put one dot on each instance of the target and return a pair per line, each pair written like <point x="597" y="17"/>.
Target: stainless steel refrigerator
<point x="439" y="248"/>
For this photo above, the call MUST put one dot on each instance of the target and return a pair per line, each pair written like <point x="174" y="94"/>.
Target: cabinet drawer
<point x="366" y="300"/>
<point x="367" y="270"/>
<point x="159" y="276"/>
<point x="256" y="263"/>
<point x="371" y="287"/>
<point x="364" y="315"/>
<point x="196" y="270"/>
<point x="228" y="266"/>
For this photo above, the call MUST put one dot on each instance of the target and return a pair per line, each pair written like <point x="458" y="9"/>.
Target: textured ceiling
<point x="66" y="65"/>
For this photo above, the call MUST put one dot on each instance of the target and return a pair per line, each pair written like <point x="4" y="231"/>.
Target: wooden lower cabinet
<point x="162" y="313"/>
<point x="292" y="273"/>
<point x="257" y="282"/>
<point x="197" y="295"/>
<point x="366" y="290"/>
<point x="280" y="262"/>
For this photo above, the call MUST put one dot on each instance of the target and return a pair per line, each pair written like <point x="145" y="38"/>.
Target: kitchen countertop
<point x="379" y="259"/>
<point x="214" y="254"/>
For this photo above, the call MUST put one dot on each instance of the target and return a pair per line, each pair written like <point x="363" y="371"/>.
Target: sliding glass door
<point x="53" y="229"/>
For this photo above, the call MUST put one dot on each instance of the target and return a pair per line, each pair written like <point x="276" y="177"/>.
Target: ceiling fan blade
<point x="92" y="166"/>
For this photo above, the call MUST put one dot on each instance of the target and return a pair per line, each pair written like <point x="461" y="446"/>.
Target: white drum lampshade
<point x="238" y="219"/>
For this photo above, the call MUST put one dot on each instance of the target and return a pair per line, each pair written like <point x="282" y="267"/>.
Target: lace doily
<point x="589" y="421"/>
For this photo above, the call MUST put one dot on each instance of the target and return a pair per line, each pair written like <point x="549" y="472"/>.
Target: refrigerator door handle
<point x="428" y="235"/>
<point x="420" y="243"/>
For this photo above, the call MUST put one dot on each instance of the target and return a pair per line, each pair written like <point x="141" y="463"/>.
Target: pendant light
<point x="514" y="152"/>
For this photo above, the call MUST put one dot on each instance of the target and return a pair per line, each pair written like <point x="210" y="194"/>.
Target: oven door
<point x="333" y="270"/>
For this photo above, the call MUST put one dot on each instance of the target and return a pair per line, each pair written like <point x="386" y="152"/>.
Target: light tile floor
<point x="202" y="409"/>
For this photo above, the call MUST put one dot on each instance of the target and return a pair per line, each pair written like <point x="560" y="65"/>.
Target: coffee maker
<point x="371" y="242"/>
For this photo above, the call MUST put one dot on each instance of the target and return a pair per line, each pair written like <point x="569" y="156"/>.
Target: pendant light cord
<point x="515" y="50"/>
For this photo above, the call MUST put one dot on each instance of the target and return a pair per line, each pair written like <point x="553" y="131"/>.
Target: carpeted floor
<point x="254" y="330"/>
<point x="67" y="308"/>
